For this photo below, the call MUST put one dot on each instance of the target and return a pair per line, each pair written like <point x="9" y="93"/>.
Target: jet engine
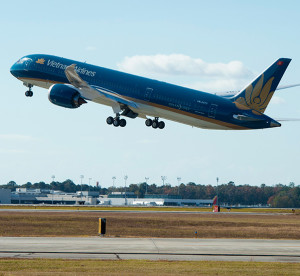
<point x="65" y="95"/>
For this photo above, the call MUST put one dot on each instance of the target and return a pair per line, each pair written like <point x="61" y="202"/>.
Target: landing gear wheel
<point x="155" y="124"/>
<point x="116" y="122"/>
<point x="122" y="123"/>
<point x="161" y="124"/>
<point x="29" y="93"/>
<point x="148" y="122"/>
<point x="110" y="120"/>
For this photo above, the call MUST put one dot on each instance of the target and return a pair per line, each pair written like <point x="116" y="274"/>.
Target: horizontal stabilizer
<point x="247" y="118"/>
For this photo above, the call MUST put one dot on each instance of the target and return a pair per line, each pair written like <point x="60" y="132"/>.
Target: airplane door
<point x="148" y="93"/>
<point x="212" y="110"/>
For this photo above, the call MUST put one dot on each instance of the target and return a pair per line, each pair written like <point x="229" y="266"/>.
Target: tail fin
<point x="258" y="94"/>
<point x="214" y="200"/>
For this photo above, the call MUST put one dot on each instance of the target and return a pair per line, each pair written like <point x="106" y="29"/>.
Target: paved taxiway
<point x="153" y="249"/>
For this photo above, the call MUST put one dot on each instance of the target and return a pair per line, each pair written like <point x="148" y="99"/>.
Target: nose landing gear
<point x="29" y="92"/>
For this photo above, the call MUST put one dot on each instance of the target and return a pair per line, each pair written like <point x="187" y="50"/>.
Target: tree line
<point x="279" y="195"/>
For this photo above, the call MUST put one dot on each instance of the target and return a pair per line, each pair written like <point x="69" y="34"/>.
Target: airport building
<point x="5" y="196"/>
<point x="44" y="196"/>
<point x="151" y="200"/>
<point x="41" y="196"/>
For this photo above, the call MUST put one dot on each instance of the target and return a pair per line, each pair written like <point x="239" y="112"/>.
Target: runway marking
<point x="155" y="245"/>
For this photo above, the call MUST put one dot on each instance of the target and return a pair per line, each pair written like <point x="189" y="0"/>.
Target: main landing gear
<point x="155" y="123"/>
<point x="29" y="92"/>
<point x="116" y="121"/>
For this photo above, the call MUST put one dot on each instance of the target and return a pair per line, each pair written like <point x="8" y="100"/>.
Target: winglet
<point x="258" y="94"/>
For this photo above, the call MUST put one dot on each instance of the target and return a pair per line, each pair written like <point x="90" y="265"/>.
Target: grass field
<point x="144" y="224"/>
<point x="141" y="267"/>
<point x="164" y="225"/>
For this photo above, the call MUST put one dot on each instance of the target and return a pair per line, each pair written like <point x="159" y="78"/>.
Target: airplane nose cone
<point x="21" y="67"/>
<point x="13" y="70"/>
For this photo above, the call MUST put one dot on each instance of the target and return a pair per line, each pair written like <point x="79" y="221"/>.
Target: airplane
<point x="71" y="84"/>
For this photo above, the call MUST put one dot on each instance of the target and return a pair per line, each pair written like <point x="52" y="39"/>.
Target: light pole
<point x="163" y="178"/>
<point x="53" y="176"/>
<point x="90" y="182"/>
<point x="125" y="178"/>
<point x="146" y="178"/>
<point x="81" y="177"/>
<point x="178" y="179"/>
<point x="113" y="179"/>
<point x="217" y="191"/>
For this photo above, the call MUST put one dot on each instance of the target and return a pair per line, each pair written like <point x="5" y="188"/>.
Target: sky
<point x="206" y="45"/>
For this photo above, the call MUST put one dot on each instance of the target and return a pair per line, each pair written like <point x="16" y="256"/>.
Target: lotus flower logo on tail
<point x="258" y="94"/>
<point x="257" y="98"/>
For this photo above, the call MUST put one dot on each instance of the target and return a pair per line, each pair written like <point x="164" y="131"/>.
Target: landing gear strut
<point x="29" y="92"/>
<point x="116" y="121"/>
<point x="155" y="123"/>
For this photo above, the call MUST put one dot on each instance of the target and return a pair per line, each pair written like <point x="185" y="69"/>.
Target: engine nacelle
<point x="65" y="95"/>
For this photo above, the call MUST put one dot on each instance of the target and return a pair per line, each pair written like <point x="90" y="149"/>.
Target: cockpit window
<point x="24" y="60"/>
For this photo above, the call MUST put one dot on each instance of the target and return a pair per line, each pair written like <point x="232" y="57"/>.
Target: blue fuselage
<point x="168" y="101"/>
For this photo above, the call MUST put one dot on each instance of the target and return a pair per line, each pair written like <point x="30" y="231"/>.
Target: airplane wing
<point x="229" y="94"/>
<point x="288" y="120"/>
<point x="287" y="86"/>
<point x="91" y="92"/>
<point x="114" y="96"/>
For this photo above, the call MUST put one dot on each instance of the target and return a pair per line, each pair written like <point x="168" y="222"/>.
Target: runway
<point x="57" y="210"/>
<point x="151" y="249"/>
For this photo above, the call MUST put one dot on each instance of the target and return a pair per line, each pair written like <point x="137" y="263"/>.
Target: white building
<point x="119" y="199"/>
<point x="41" y="196"/>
